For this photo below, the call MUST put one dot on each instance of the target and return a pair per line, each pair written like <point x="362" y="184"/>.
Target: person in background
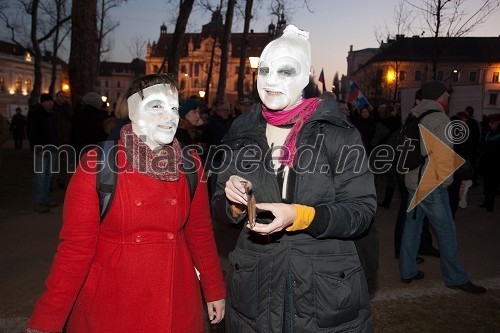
<point x="344" y="109"/>
<point x="425" y="248"/>
<point x="366" y="127"/>
<point x="386" y="133"/>
<point x="490" y="162"/>
<point x="290" y="270"/>
<point x="475" y="139"/>
<point x="64" y="113"/>
<point x="18" y="127"/>
<point x="190" y="120"/>
<point x="43" y="135"/>
<point x="121" y="115"/>
<point x="218" y="125"/>
<point x="134" y="271"/>
<point x="88" y="125"/>
<point x="436" y="205"/>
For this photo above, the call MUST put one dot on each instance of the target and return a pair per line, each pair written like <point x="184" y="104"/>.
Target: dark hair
<point x="138" y="85"/>
<point x="469" y="110"/>
<point x="418" y="94"/>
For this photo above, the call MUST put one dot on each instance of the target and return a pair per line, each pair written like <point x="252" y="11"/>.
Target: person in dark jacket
<point x="490" y="162"/>
<point x="88" y="127"/>
<point x="190" y="119"/>
<point x="296" y="269"/>
<point x="17" y="126"/>
<point x="43" y="136"/>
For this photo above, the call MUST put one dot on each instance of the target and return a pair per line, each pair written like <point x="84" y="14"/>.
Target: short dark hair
<point x="138" y="85"/>
<point x="469" y="110"/>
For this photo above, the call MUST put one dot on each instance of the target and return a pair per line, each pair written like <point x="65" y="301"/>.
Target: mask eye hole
<point x="287" y="71"/>
<point x="263" y="70"/>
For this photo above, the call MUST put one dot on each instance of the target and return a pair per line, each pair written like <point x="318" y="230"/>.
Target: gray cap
<point x="92" y="99"/>
<point x="434" y="89"/>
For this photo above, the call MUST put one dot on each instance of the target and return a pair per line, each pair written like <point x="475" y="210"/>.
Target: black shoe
<point x="40" y="208"/>
<point x="433" y="252"/>
<point x="420" y="275"/>
<point x="469" y="287"/>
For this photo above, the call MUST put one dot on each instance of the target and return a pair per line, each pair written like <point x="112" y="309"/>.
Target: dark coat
<point x="42" y="127"/>
<point x="304" y="281"/>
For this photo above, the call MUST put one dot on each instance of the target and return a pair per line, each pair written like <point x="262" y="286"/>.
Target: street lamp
<point x="201" y="93"/>
<point x="104" y="98"/>
<point x="254" y="64"/>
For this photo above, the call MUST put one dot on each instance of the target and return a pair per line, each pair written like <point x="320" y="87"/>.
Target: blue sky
<point x="334" y="25"/>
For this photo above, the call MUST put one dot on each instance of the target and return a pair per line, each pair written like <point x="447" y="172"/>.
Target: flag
<point x="356" y="96"/>
<point x="322" y="79"/>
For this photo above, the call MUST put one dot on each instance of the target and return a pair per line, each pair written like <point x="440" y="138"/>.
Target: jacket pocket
<point x="337" y="291"/>
<point x="243" y="283"/>
<point x="87" y="293"/>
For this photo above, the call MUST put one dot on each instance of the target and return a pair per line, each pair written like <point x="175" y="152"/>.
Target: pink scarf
<point x="162" y="164"/>
<point x="297" y="116"/>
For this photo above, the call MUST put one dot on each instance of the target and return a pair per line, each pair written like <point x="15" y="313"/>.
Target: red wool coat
<point x="134" y="272"/>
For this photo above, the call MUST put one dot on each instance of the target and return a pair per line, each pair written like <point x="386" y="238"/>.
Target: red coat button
<point x="173" y="202"/>
<point x="138" y="238"/>
<point x="170" y="235"/>
<point x="138" y="203"/>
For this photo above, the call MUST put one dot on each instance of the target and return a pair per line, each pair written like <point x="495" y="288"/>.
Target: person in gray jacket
<point x="436" y="205"/>
<point x="296" y="269"/>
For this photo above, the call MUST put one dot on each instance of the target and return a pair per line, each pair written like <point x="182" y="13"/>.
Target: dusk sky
<point x="333" y="26"/>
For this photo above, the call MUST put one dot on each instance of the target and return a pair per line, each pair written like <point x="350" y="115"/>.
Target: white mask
<point x="155" y="117"/>
<point x="284" y="69"/>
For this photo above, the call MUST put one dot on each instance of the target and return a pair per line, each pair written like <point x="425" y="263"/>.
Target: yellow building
<point x="470" y="65"/>
<point x="196" y="54"/>
<point x="17" y="75"/>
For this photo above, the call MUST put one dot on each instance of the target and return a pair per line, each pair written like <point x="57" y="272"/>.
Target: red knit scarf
<point x="297" y="116"/>
<point x="162" y="164"/>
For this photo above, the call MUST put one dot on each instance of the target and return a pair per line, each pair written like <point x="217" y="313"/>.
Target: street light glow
<point x="254" y="62"/>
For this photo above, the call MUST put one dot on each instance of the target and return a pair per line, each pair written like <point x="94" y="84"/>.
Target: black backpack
<point x="410" y="131"/>
<point x="107" y="176"/>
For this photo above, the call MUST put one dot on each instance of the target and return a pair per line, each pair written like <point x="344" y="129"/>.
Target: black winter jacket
<point x="309" y="281"/>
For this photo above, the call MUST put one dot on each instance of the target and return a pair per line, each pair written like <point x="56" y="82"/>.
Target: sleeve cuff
<point x="320" y="222"/>
<point x="303" y="218"/>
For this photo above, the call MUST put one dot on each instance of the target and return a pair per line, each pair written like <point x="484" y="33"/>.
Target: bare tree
<point x="173" y="55"/>
<point x="84" y="55"/>
<point x="226" y="39"/>
<point x="244" y="45"/>
<point x="136" y="47"/>
<point x="106" y="25"/>
<point x="402" y="20"/>
<point x="451" y="19"/>
<point x="56" y="11"/>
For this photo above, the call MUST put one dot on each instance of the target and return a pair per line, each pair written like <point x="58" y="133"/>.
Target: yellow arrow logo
<point x="443" y="162"/>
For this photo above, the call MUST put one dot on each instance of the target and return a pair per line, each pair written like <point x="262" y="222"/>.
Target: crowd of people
<point x="150" y="261"/>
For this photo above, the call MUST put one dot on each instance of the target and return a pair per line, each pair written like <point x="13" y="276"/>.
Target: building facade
<point x="196" y="55"/>
<point x="17" y="75"/>
<point x="115" y="78"/>
<point x="470" y="65"/>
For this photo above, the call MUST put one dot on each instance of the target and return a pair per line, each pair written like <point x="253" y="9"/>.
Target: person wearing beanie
<point x="43" y="136"/>
<point x="436" y="206"/>
<point x="190" y="120"/>
<point x="88" y="125"/>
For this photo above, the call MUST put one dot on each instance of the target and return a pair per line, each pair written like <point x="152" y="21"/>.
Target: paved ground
<point x="28" y="242"/>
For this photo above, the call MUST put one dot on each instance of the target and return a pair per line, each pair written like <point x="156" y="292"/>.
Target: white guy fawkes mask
<point x="284" y="69"/>
<point x="155" y="117"/>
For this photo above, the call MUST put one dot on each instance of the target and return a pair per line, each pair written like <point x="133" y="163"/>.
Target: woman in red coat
<point x="135" y="271"/>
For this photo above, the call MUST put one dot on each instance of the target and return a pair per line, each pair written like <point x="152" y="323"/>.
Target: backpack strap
<point x="422" y="116"/>
<point x="189" y="168"/>
<point x="107" y="175"/>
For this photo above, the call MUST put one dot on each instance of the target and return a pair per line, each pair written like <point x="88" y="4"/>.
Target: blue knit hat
<point x="188" y="105"/>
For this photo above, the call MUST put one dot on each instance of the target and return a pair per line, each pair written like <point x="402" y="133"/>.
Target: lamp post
<point x="201" y="93"/>
<point x="254" y="64"/>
